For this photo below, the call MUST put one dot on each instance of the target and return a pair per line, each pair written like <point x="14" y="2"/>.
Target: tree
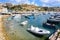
<point x="27" y="10"/>
<point x="45" y="8"/>
<point x="19" y="7"/>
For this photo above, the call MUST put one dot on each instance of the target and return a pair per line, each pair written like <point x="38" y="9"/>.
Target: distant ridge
<point x="28" y="7"/>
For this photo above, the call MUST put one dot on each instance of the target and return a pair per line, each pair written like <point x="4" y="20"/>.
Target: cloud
<point x="21" y="1"/>
<point x="50" y="2"/>
<point x="45" y="5"/>
<point x="45" y="1"/>
<point x="32" y="2"/>
<point x="36" y="2"/>
<point x="25" y="2"/>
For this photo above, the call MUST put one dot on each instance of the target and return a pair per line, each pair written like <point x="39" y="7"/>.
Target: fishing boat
<point x="38" y="31"/>
<point x="24" y="23"/>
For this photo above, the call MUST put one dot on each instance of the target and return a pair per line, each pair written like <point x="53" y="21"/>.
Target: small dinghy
<point x="37" y="30"/>
<point x="24" y="23"/>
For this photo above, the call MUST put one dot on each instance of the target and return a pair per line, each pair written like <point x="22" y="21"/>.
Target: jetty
<point x="55" y="36"/>
<point x="3" y="33"/>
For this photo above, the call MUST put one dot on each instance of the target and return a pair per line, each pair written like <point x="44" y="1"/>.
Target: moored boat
<point x="49" y="25"/>
<point x="30" y="17"/>
<point x="37" y="30"/>
<point x="24" y="23"/>
<point x="54" y="19"/>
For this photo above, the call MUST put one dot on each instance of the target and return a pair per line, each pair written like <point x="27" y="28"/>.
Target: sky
<point x="35" y="2"/>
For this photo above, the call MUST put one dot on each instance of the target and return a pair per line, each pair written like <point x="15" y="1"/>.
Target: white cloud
<point x="18" y="0"/>
<point x="32" y="2"/>
<point x="36" y="4"/>
<point x="25" y="2"/>
<point x="45" y="5"/>
<point x="21" y="1"/>
<point x="50" y="1"/>
<point x="45" y="1"/>
<point x="58" y="0"/>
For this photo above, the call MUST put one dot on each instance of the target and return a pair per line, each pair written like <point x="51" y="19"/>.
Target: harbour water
<point x="18" y="32"/>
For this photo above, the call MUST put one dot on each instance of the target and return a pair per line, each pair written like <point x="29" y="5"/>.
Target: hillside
<point x="26" y="7"/>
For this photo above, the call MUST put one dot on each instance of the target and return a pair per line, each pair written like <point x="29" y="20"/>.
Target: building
<point x="8" y="4"/>
<point x="2" y="9"/>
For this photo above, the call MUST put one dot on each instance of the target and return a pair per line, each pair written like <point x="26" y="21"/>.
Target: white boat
<point x="58" y="16"/>
<point x="49" y="25"/>
<point x="37" y="30"/>
<point x="55" y="20"/>
<point x="24" y="23"/>
<point x="52" y="17"/>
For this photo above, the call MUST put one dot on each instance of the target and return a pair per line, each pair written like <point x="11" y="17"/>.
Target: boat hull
<point x="38" y="33"/>
<point x="53" y="21"/>
<point x="49" y="26"/>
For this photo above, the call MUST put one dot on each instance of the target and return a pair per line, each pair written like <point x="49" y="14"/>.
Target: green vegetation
<point x="18" y="7"/>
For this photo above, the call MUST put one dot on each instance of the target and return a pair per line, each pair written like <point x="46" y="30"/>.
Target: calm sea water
<point x="18" y="32"/>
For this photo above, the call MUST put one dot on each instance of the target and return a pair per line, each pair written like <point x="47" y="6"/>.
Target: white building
<point x="4" y="10"/>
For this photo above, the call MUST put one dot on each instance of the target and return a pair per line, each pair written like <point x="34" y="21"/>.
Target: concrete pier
<point x="54" y="36"/>
<point x="3" y="34"/>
